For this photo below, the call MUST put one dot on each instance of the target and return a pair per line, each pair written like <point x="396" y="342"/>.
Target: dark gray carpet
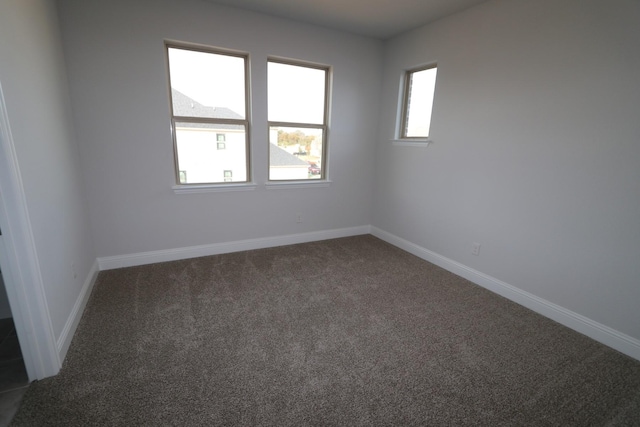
<point x="342" y="332"/>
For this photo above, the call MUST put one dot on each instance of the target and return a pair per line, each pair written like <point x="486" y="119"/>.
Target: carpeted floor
<point x="343" y="332"/>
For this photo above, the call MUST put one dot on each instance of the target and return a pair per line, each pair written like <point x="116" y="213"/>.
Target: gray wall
<point x="117" y="70"/>
<point x="536" y="151"/>
<point x="34" y="81"/>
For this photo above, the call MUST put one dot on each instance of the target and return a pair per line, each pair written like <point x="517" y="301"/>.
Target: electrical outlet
<point x="475" y="249"/>
<point x="73" y="270"/>
<point x="299" y="218"/>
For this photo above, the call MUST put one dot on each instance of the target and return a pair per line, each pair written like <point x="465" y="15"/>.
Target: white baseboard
<point x="143" y="258"/>
<point x="64" y="341"/>
<point x="597" y="331"/>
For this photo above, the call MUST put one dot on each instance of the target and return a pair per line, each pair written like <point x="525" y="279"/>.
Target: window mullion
<point x="297" y="125"/>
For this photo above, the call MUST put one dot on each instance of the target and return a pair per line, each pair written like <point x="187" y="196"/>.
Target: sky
<point x="212" y="80"/>
<point x="295" y="93"/>
<point x="423" y="85"/>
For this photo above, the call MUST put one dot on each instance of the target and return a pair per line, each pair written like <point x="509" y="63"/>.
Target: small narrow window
<point x="297" y="116"/>
<point x="209" y="104"/>
<point x="417" y="106"/>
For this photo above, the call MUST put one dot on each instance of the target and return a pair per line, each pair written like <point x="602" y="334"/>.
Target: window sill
<point x="213" y="188"/>
<point x="414" y="142"/>
<point x="281" y="185"/>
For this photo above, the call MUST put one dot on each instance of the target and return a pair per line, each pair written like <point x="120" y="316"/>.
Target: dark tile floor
<point x="13" y="375"/>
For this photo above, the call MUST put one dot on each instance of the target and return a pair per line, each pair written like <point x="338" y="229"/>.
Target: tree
<point x="286" y="139"/>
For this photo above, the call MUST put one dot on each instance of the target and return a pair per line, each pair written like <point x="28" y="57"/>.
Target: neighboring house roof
<point x="281" y="158"/>
<point x="183" y="106"/>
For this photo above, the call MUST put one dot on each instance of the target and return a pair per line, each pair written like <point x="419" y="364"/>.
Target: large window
<point x="209" y="115"/>
<point x="419" y="90"/>
<point x="297" y="118"/>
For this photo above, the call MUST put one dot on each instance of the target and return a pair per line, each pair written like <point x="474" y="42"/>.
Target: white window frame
<point x="213" y="186"/>
<point x="324" y="127"/>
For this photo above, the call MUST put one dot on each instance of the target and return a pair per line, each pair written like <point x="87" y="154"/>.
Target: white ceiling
<point x="381" y="19"/>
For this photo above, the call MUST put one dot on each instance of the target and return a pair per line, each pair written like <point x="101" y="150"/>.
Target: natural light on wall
<point x="419" y="92"/>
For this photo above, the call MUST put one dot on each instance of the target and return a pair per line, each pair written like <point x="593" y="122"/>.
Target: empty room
<point x="243" y="212"/>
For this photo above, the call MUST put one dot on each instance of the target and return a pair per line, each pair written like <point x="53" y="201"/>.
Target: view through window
<point x="419" y="91"/>
<point x="297" y="110"/>
<point x="209" y="115"/>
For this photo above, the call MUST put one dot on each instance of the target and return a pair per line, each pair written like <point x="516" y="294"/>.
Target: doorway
<point x="12" y="370"/>
<point x="14" y="378"/>
<point x="20" y="267"/>
<point x="13" y="374"/>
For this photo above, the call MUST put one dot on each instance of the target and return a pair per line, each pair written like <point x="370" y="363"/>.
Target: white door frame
<point x="20" y="266"/>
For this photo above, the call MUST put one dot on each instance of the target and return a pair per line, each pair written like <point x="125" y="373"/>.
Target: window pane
<point x="199" y="159"/>
<point x="296" y="93"/>
<point x="207" y="84"/>
<point x="295" y="153"/>
<point x="419" y="101"/>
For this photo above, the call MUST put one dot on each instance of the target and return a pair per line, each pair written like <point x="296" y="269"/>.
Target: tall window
<point x="419" y="89"/>
<point x="208" y="106"/>
<point x="298" y="104"/>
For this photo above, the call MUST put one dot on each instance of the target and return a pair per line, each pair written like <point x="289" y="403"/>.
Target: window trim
<point x="213" y="188"/>
<point x="324" y="126"/>
<point x="403" y="118"/>
<point x="246" y="122"/>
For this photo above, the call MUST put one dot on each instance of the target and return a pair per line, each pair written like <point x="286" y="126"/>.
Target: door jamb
<point x="20" y="266"/>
